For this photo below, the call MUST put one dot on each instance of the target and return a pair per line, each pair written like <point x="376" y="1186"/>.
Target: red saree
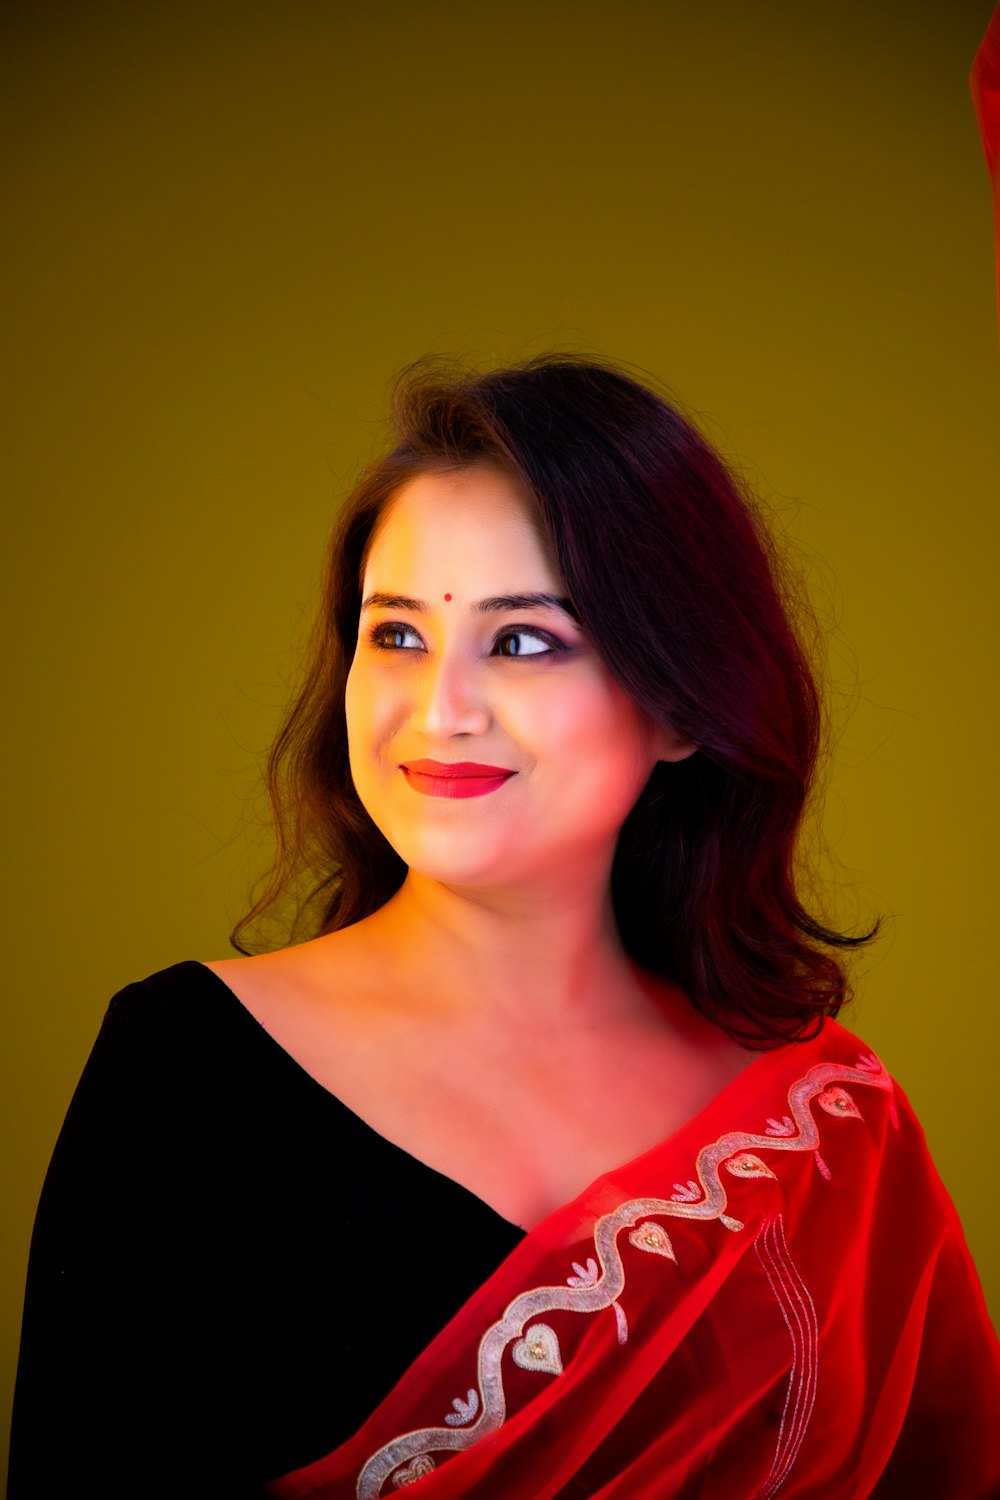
<point x="776" y="1299"/>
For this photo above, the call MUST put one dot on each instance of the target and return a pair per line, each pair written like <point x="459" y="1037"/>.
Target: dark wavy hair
<point x="677" y="581"/>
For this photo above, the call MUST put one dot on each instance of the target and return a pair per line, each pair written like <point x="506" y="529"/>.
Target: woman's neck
<point x="537" y="958"/>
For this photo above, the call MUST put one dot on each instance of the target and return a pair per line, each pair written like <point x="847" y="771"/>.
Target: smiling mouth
<point x="453" y="768"/>
<point x="455" y="779"/>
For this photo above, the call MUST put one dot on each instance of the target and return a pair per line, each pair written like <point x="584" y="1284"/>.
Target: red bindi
<point x="447" y="597"/>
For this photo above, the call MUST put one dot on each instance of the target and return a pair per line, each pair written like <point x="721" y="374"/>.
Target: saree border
<point x="596" y="1284"/>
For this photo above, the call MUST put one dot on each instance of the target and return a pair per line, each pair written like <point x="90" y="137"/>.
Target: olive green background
<point x="228" y="224"/>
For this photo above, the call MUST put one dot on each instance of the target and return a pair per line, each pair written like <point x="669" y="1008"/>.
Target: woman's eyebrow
<point x="495" y="604"/>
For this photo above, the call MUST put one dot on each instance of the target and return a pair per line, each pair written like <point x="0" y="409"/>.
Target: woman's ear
<point x="672" y="746"/>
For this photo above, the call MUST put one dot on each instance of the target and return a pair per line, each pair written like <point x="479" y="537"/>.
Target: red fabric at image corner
<point x="985" y="83"/>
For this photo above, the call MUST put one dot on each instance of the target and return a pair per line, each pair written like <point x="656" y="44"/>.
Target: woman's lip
<point x="454" y="787"/>
<point x="453" y="768"/>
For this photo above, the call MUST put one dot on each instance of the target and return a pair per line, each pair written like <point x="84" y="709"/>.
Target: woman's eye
<point x="522" y="643"/>
<point x="393" y="637"/>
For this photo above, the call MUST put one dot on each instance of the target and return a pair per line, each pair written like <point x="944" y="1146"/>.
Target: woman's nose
<point x="452" y="699"/>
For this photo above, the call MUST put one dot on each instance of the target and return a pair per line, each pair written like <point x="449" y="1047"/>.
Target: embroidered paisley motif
<point x="837" y="1101"/>
<point x="652" y="1238"/>
<point x="745" y="1164"/>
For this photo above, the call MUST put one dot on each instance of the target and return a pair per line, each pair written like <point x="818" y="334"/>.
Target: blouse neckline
<point x="695" y="1123"/>
<point x="291" y="1064"/>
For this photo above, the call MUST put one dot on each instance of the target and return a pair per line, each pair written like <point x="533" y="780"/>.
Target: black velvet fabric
<point x="229" y="1269"/>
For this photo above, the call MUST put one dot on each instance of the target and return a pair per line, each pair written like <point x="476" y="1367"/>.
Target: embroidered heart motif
<point x="745" y="1164"/>
<point x="538" y="1350"/>
<point x="652" y="1238"/>
<point x="420" y="1466"/>
<point x="837" y="1101"/>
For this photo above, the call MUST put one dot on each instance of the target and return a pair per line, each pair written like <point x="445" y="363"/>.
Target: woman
<point x="543" y="1170"/>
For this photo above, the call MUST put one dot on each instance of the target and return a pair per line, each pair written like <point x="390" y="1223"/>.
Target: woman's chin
<point x="468" y="871"/>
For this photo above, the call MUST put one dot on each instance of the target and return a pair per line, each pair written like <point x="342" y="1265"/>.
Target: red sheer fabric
<point x="777" y="1299"/>
<point x="985" y="83"/>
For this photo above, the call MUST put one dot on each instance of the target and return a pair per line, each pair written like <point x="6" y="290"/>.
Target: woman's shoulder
<point x="163" y="996"/>
<point x="330" y="980"/>
<point x="836" y="1072"/>
<point x="205" y="1028"/>
<point x="196" y="994"/>
<point x="834" y="1044"/>
<point x="147" y="1012"/>
<point x="159" y="1033"/>
<point x="840" y="1046"/>
<point x="323" y="1008"/>
<point x="328" y="1004"/>
<point x="839" y="1073"/>
<point x="140" y="1097"/>
<point x="180" y="1057"/>
<point x="173" y="1017"/>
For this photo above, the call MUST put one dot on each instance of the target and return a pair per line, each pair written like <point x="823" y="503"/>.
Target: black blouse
<point x="229" y="1269"/>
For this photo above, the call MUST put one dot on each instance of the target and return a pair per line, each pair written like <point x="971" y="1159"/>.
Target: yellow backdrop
<point x="231" y="224"/>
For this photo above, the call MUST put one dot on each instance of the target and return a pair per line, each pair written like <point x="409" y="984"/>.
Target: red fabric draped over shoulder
<point x="777" y="1299"/>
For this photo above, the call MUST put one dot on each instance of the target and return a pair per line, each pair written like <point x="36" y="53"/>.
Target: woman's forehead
<point x="476" y="521"/>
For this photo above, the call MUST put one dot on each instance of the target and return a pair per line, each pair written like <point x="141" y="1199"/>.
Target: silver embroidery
<point x="585" y="1275"/>
<point x="538" y="1350"/>
<point x="745" y="1164"/>
<point x="799" y="1312"/>
<point x="837" y="1101"/>
<point x="688" y="1193"/>
<point x="420" y="1466"/>
<point x="704" y="1199"/>
<point x="464" y="1410"/>
<point x="654" y="1239"/>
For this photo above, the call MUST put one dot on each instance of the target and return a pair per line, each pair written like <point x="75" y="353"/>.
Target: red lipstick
<point x="457" y="778"/>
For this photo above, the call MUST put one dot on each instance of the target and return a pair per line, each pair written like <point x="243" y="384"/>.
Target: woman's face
<point x="488" y="741"/>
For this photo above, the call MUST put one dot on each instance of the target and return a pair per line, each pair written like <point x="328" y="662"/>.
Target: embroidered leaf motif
<point x="784" y="1126"/>
<point x="464" y="1410"/>
<point x="420" y="1466"/>
<point x="622" y="1322"/>
<point x="869" y="1063"/>
<point x="688" y="1194"/>
<point x="837" y="1101"/>
<point x="538" y="1350"/>
<point x="745" y="1164"/>
<point x="587" y="1275"/>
